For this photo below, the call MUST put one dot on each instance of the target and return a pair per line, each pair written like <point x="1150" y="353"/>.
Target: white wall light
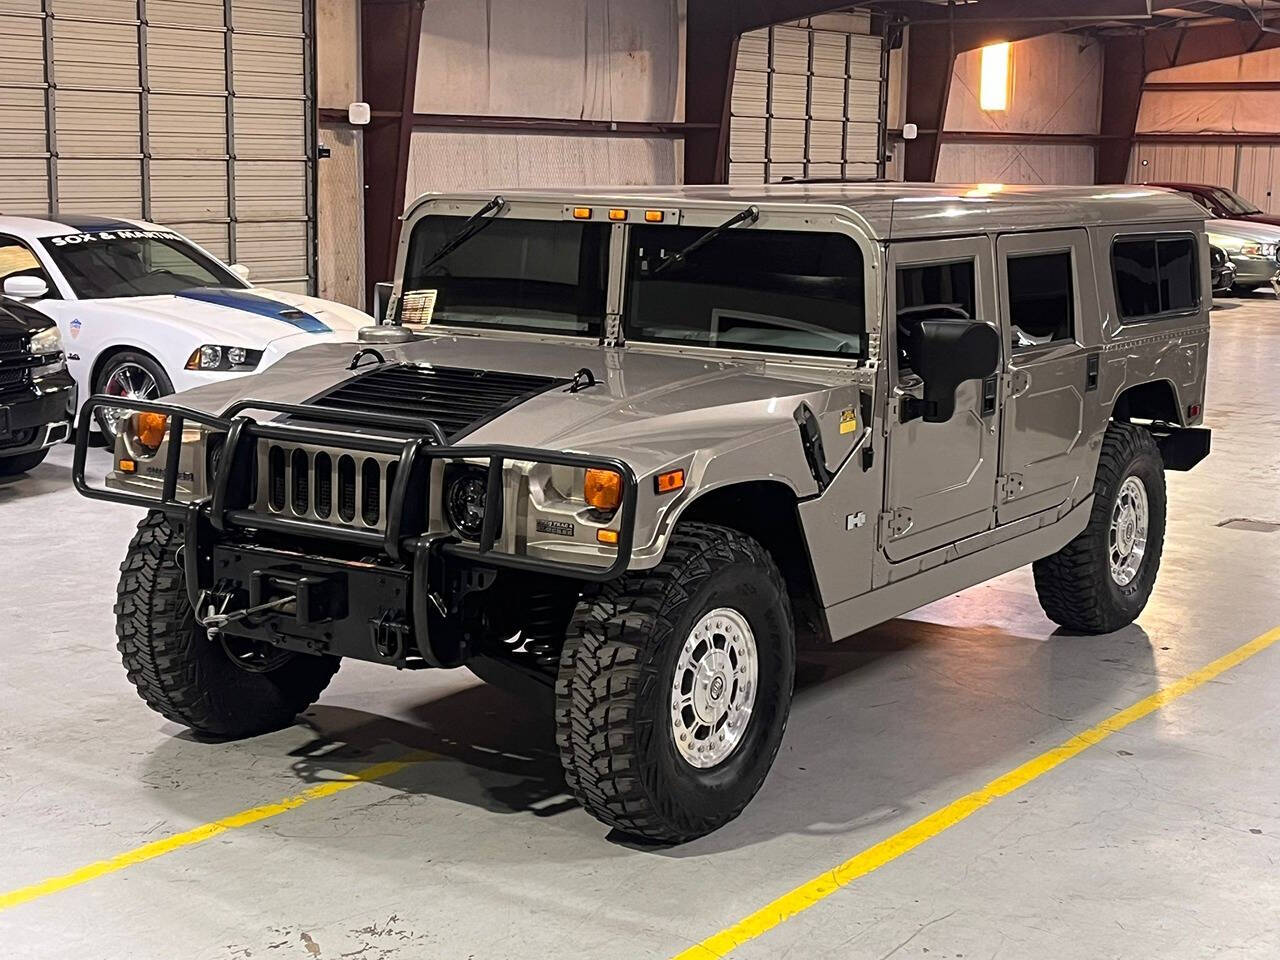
<point x="359" y="114"/>
<point x="993" y="90"/>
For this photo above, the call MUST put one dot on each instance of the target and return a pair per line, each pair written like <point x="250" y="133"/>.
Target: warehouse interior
<point x="965" y="780"/>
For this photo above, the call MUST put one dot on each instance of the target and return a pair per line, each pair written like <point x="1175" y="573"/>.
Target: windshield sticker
<point x="417" y="307"/>
<point x="77" y="239"/>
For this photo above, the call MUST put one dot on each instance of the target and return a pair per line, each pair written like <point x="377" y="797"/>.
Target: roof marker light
<point x="654" y="216"/>
<point x="582" y="213"/>
<point x="617" y="214"/>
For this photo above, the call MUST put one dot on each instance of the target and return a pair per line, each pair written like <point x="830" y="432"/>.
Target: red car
<point x="1221" y="202"/>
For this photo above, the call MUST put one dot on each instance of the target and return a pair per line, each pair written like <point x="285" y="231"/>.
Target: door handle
<point x="990" y="391"/>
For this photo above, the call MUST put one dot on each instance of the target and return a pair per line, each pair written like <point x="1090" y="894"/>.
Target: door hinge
<point x="1010" y="487"/>
<point x="612" y="331"/>
<point x="894" y="523"/>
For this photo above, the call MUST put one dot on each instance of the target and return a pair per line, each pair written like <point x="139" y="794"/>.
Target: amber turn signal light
<point x="669" y="482"/>
<point x="128" y="466"/>
<point x="149" y="427"/>
<point x="609" y="537"/>
<point x="602" y="489"/>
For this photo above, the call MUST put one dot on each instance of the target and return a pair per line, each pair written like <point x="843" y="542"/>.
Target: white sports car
<point x="143" y="311"/>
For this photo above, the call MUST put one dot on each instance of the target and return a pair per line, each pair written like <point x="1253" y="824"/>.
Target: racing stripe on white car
<point x="252" y="303"/>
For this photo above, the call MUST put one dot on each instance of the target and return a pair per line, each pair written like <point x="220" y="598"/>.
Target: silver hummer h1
<point x="630" y="448"/>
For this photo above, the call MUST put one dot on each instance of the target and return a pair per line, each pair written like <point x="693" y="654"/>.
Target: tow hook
<point x="390" y="636"/>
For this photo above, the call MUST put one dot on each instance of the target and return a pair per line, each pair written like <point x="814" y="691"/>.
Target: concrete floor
<point x="1161" y="842"/>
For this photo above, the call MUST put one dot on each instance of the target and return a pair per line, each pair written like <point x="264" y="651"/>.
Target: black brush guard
<point x="208" y="522"/>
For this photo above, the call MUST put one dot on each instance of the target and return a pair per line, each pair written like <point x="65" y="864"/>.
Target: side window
<point x="1155" y="276"/>
<point x="17" y="260"/>
<point x="934" y="291"/>
<point x="1041" y="299"/>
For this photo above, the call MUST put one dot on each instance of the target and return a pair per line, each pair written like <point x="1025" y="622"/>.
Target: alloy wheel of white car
<point x="130" y="381"/>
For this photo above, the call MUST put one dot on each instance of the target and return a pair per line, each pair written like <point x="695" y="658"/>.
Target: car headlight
<point x="46" y="342"/>
<point x="1259" y="250"/>
<point x="216" y="357"/>
<point x="464" y="499"/>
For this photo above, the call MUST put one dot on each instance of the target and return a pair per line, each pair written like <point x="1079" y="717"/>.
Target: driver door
<point x="941" y="480"/>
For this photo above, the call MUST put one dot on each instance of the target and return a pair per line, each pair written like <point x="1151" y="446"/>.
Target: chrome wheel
<point x="1127" y="541"/>
<point x="132" y="382"/>
<point x="714" y="688"/>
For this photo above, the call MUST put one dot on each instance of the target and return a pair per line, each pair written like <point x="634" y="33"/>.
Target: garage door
<point x="807" y="102"/>
<point x="192" y="113"/>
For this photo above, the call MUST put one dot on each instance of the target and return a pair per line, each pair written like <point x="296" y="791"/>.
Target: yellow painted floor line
<point x="200" y="834"/>
<point x="820" y="887"/>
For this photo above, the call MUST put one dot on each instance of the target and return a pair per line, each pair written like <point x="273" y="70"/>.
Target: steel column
<point x="391" y="33"/>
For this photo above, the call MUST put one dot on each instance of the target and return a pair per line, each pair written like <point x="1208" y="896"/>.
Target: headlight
<point x="215" y="357"/>
<point x="46" y="342"/>
<point x="464" y="501"/>
<point x="1259" y="250"/>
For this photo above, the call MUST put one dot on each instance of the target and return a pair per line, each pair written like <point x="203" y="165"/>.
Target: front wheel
<point x="219" y="688"/>
<point x="674" y="687"/>
<point x="132" y="376"/>
<point x="1102" y="579"/>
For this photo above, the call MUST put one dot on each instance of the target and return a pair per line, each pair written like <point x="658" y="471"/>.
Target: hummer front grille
<point x="329" y="486"/>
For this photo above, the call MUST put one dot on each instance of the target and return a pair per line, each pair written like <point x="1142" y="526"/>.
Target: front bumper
<point x="393" y="594"/>
<point x="38" y="416"/>
<point x="1254" y="271"/>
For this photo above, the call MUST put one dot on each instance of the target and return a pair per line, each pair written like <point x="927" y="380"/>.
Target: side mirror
<point x="241" y="271"/>
<point x="25" y="288"/>
<point x="382" y="300"/>
<point x="946" y="353"/>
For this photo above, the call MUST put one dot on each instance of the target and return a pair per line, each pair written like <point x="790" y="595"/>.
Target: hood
<point x="1242" y="230"/>
<point x="18" y="318"/>
<point x="1270" y="219"/>
<point x="252" y="318"/>
<point x="646" y="406"/>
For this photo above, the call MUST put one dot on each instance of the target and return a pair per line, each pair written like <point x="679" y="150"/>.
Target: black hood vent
<point x="458" y="399"/>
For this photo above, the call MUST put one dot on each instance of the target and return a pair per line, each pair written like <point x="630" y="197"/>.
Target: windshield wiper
<point x="749" y="215"/>
<point x="475" y="223"/>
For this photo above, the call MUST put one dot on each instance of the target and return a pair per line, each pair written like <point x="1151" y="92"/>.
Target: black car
<point x="37" y="395"/>
<point x="1222" y="272"/>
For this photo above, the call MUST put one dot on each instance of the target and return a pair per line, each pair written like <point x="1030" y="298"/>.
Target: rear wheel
<point x="674" y="687"/>
<point x="11" y="466"/>
<point x="1102" y="579"/>
<point x="220" y="688"/>
<point x="132" y="376"/>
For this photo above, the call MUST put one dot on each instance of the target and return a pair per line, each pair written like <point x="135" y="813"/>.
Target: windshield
<point x="781" y="291"/>
<point x="134" y="263"/>
<point x="541" y="276"/>
<point x="1233" y="203"/>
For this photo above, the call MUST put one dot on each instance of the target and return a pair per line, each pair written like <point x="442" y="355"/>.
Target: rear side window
<point x="1041" y="299"/>
<point x="1155" y="276"/>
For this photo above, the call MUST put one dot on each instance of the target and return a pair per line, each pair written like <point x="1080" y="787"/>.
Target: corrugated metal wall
<point x="1253" y="170"/>
<point x="340" y="177"/>
<point x="193" y="113"/>
<point x="1055" y="88"/>
<point x="807" y="101"/>
<point x="617" y="60"/>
